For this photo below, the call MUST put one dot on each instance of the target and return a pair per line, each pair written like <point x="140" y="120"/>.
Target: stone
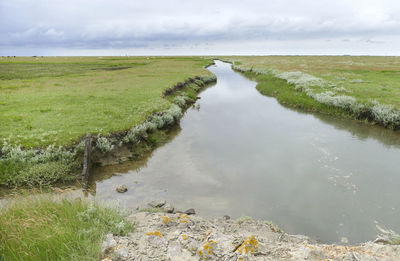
<point x="176" y="253"/>
<point x="226" y="217"/>
<point x="121" y="254"/>
<point x="158" y="203"/>
<point x="108" y="244"/>
<point x="190" y="211"/>
<point x="168" y="208"/>
<point x="227" y="240"/>
<point x="122" y="189"/>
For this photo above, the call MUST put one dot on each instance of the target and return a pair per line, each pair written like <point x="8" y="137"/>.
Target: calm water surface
<point x="239" y="153"/>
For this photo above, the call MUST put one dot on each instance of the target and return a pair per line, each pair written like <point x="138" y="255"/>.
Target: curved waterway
<point x="239" y="153"/>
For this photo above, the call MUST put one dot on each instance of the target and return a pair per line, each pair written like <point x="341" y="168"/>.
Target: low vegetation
<point x="43" y="228"/>
<point x="387" y="236"/>
<point x="120" y="100"/>
<point x="366" y="88"/>
<point x="56" y="100"/>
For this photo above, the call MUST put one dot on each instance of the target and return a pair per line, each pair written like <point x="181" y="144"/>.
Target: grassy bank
<point x="46" y="229"/>
<point x="287" y="95"/>
<point x="366" y="88"/>
<point x="56" y="100"/>
<point x="119" y="100"/>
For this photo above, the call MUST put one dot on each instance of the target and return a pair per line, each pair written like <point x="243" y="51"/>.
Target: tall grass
<point x="43" y="228"/>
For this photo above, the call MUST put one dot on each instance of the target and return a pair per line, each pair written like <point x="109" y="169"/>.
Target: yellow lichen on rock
<point x="155" y="233"/>
<point x="249" y="245"/>
<point x="183" y="218"/>
<point x="165" y="219"/>
<point x="207" y="249"/>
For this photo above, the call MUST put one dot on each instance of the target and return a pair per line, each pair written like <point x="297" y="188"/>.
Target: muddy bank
<point x="162" y="236"/>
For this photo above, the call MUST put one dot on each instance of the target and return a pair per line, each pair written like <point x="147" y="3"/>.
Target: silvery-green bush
<point x="36" y="167"/>
<point x="157" y="121"/>
<point x="329" y="98"/>
<point x="180" y="100"/>
<point x="300" y="79"/>
<point x="51" y="153"/>
<point x="385" y="114"/>
<point x="104" y="144"/>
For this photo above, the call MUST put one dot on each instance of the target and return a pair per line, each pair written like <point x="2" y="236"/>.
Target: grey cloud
<point x="102" y="24"/>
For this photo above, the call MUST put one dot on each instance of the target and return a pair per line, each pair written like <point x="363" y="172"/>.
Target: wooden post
<point x="86" y="160"/>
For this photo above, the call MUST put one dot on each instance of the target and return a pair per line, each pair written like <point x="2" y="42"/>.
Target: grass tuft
<point x="387" y="236"/>
<point x="43" y="228"/>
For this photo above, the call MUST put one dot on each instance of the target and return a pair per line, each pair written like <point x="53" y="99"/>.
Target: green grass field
<point x="48" y="104"/>
<point x="366" y="88"/>
<point x="363" y="77"/>
<point x="56" y="100"/>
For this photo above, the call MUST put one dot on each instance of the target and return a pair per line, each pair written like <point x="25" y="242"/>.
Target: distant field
<point x="55" y="100"/>
<point x="365" y="78"/>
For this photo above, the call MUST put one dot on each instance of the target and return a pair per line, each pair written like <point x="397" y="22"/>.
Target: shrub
<point x="34" y="167"/>
<point x="300" y="79"/>
<point x="175" y="112"/>
<point x="168" y="119"/>
<point x="385" y="114"/>
<point x="328" y="98"/>
<point x="103" y="144"/>
<point x="180" y="100"/>
<point x="158" y="121"/>
<point x="51" y="153"/>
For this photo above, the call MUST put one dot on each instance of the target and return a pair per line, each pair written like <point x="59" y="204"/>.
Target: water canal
<point x="239" y="153"/>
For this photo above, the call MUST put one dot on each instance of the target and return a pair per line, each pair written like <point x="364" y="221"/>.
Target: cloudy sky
<point x="168" y="27"/>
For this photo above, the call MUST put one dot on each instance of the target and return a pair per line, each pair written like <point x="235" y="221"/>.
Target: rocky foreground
<point x="179" y="236"/>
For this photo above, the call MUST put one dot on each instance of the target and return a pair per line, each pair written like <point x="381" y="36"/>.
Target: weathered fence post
<point x="86" y="160"/>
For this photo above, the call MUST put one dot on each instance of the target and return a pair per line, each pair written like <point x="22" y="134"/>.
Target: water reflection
<point x="241" y="153"/>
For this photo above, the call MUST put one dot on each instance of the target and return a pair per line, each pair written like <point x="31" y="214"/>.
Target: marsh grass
<point x="56" y="100"/>
<point x="287" y="94"/>
<point x="44" y="228"/>
<point x="364" y="88"/>
<point x="101" y="96"/>
<point x="365" y="77"/>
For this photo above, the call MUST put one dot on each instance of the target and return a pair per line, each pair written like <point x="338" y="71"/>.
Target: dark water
<point x="240" y="153"/>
